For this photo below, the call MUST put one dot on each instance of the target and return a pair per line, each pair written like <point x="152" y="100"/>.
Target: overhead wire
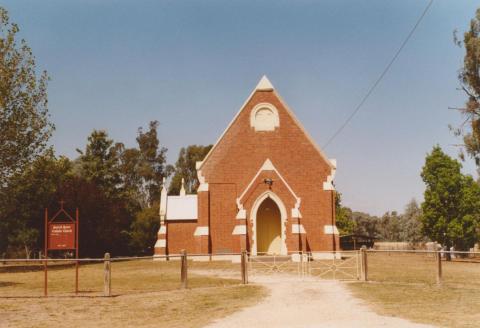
<point x="381" y="76"/>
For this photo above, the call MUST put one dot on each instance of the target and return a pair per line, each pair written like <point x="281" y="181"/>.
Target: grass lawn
<point x="145" y="294"/>
<point x="404" y="285"/>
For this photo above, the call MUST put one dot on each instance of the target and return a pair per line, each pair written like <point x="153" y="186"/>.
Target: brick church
<point x="265" y="187"/>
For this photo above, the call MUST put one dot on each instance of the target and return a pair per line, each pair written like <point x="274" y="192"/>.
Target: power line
<point x="384" y="72"/>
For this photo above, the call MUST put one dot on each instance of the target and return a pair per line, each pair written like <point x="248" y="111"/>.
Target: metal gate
<point x="338" y="266"/>
<point x="324" y="265"/>
<point x="277" y="264"/>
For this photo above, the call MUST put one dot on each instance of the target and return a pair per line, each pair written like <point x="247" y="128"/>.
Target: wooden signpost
<point x="61" y="233"/>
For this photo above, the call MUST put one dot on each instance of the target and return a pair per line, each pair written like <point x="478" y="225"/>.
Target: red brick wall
<point x="232" y="165"/>
<point x="240" y="154"/>
<point x="180" y="236"/>
<point x="223" y="210"/>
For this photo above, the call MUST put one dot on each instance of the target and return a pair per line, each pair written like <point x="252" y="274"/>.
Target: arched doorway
<point x="269" y="228"/>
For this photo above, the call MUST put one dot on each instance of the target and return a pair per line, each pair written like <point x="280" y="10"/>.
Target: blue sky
<point x="116" y="65"/>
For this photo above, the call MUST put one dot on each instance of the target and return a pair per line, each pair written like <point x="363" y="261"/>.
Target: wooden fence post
<point x="439" y="268"/>
<point x="243" y="262"/>
<point x="107" y="275"/>
<point x="358" y="264"/>
<point x="364" y="263"/>
<point x="183" y="270"/>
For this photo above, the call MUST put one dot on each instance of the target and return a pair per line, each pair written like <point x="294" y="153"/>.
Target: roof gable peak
<point x="264" y="84"/>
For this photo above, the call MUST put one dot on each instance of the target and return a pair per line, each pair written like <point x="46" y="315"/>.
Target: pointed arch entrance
<point x="269" y="217"/>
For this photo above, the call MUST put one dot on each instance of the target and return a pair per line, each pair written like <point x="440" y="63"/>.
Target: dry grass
<point x="405" y="286"/>
<point x="146" y="294"/>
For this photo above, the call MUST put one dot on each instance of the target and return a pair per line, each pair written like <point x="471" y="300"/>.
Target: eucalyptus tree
<point x="24" y="120"/>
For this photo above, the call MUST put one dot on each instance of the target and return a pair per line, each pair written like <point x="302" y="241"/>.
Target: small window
<point x="264" y="117"/>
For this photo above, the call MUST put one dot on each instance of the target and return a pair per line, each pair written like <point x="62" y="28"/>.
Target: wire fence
<point x="452" y="268"/>
<point x="111" y="276"/>
<point x="126" y="275"/>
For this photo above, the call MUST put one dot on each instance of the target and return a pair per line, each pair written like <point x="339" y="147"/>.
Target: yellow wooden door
<point x="269" y="233"/>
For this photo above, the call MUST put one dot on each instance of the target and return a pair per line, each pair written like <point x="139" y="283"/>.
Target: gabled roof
<point x="265" y="85"/>
<point x="268" y="166"/>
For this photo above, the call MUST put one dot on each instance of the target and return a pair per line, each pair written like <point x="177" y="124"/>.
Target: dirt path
<point x="308" y="303"/>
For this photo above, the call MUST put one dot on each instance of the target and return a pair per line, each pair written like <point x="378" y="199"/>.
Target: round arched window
<point x="264" y="117"/>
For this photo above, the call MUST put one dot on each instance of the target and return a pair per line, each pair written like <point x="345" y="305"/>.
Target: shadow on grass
<point x="129" y="293"/>
<point x="9" y="283"/>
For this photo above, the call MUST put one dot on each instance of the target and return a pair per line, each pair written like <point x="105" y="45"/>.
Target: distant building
<point x="265" y="186"/>
<point x="355" y="242"/>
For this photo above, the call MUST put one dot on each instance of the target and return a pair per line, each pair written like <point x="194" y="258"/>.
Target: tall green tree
<point x="24" y="121"/>
<point x="23" y="201"/>
<point x="152" y="167"/>
<point x="411" y="223"/>
<point x="451" y="207"/>
<point x="185" y="168"/>
<point x="343" y="217"/>
<point x="365" y="224"/>
<point x="99" y="163"/>
<point x="105" y="219"/>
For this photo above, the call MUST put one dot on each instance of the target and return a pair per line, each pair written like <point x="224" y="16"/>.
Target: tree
<point x="25" y="237"/>
<point x="365" y="224"/>
<point x="99" y="163"/>
<point x="185" y="168"/>
<point x="24" y="120"/>
<point x="22" y="202"/>
<point x="412" y="225"/>
<point x="390" y="226"/>
<point x="143" y="232"/>
<point x="451" y="206"/>
<point x="343" y="217"/>
<point x="152" y="166"/>
<point x="105" y="219"/>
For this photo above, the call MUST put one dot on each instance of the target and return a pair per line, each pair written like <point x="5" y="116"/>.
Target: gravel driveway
<point x="308" y="303"/>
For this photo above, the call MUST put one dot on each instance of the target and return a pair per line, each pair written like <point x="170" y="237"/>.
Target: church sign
<point x="61" y="235"/>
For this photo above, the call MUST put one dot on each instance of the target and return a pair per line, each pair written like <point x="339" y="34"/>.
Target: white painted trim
<point x="201" y="231"/>
<point x="326" y="255"/>
<point x="264" y="84"/>
<point x="199" y="258"/>
<point x="182" y="188"/>
<point x="260" y="87"/>
<point x="253" y="119"/>
<point x="240" y="230"/>
<point x="268" y="166"/>
<point x="162" y="230"/>
<point x="203" y="184"/>
<point x="330" y="230"/>
<point x="161" y="243"/>
<point x="202" y="187"/>
<point x="296" y="213"/>
<point x="232" y="258"/>
<point x="242" y="214"/>
<point x="328" y="185"/>
<point x="283" y="220"/>
<point x="298" y="228"/>
<point x="163" y="202"/>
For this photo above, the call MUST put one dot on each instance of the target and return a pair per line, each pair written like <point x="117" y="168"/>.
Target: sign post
<point x="61" y="233"/>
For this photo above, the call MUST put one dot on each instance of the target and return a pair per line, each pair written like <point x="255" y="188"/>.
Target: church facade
<point x="265" y="187"/>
